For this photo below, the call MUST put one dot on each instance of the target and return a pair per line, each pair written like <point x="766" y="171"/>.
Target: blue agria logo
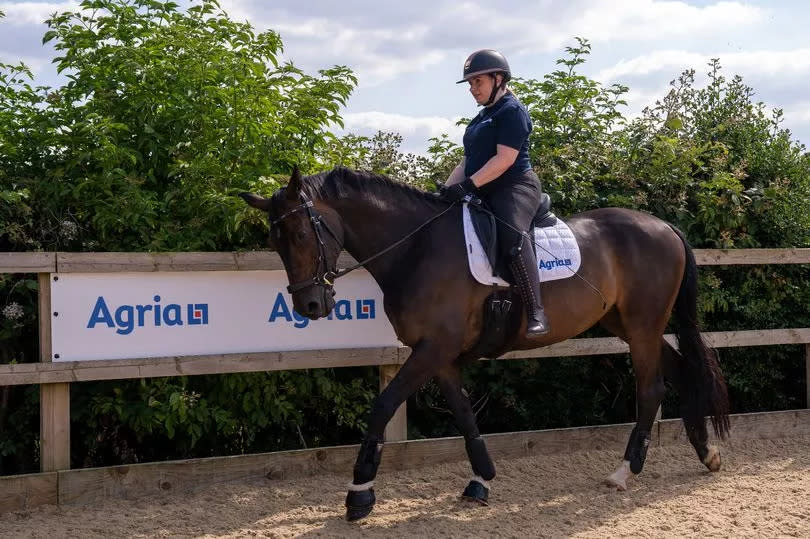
<point x="555" y="263"/>
<point x="125" y="318"/>
<point x="360" y="309"/>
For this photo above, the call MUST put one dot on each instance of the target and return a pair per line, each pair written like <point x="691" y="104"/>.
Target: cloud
<point x="642" y="20"/>
<point x="798" y="113"/>
<point x="764" y="63"/>
<point x="381" y="41"/>
<point x="34" y="63"/>
<point x="27" y="13"/>
<point x="638" y="98"/>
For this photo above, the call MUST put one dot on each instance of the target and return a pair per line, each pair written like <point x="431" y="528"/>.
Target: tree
<point x="574" y="123"/>
<point x="717" y="163"/>
<point x="165" y="114"/>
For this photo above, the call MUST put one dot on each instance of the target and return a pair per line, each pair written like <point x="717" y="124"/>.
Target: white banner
<point x="133" y="315"/>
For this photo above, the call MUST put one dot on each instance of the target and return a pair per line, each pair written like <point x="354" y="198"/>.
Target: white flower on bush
<point x="69" y="230"/>
<point x="13" y="311"/>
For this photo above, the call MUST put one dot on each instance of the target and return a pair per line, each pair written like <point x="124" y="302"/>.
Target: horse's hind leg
<point x="449" y="380"/>
<point x="696" y="429"/>
<point x="645" y="353"/>
<point x="650" y="389"/>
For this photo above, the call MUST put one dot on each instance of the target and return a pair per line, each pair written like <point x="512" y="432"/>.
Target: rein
<point x="328" y="278"/>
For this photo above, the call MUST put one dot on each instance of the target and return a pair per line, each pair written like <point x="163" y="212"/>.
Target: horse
<point x="636" y="271"/>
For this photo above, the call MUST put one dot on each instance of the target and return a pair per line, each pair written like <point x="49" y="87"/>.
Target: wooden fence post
<point x="397" y="428"/>
<point x="54" y="399"/>
<point x="807" y="373"/>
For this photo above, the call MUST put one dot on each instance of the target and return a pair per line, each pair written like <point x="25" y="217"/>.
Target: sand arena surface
<point x="764" y="490"/>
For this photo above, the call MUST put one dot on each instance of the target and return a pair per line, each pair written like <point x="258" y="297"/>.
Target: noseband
<point x="327" y="278"/>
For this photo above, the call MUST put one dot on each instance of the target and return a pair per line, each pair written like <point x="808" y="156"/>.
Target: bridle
<point x="327" y="278"/>
<point x="330" y="275"/>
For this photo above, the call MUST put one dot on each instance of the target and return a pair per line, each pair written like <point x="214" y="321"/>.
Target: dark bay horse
<point x="636" y="270"/>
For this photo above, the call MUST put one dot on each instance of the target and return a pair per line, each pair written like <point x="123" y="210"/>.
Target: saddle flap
<point x="483" y="222"/>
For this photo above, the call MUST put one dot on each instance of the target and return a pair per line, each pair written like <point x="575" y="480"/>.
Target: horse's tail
<point x="703" y="388"/>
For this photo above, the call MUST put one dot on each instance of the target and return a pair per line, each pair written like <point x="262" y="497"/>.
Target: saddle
<point x="483" y="221"/>
<point x="559" y="258"/>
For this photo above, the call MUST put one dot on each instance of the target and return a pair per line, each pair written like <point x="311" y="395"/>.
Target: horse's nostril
<point x="312" y="307"/>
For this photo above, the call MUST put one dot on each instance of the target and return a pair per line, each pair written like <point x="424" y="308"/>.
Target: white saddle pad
<point x="558" y="255"/>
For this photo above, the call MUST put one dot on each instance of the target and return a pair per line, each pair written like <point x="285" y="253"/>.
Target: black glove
<point x="457" y="191"/>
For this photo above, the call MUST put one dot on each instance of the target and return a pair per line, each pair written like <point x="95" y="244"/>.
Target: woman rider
<point x="496" y="168"/>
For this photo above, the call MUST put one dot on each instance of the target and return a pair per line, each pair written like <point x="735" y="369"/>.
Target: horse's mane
<point x="342" y="182"/>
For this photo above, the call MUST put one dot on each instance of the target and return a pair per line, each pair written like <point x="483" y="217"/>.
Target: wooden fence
<point x="54" y="379"/>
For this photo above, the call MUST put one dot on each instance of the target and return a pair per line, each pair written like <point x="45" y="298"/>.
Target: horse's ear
<point x="294" y="186"/>
<point x="255" y="201"/>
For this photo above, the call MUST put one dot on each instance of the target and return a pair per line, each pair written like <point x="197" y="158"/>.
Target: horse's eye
<point x="300" y="235"/>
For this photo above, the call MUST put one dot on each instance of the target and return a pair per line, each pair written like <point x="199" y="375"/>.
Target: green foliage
<point x="211" y="415"/>
<point x="532" y="394"/>
<point x="166" y="114"/>
<point x="572" y="143"/>
<point x="380" y="154"/>
<point x="714" y="162"/>
<point x="19" y="406"/>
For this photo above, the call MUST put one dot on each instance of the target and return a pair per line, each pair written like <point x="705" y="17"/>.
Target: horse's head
<point x="308" y="237"/>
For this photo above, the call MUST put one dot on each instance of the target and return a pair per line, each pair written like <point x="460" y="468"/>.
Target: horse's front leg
<point x="425" y="359"/>
<point x="449" y="380"/>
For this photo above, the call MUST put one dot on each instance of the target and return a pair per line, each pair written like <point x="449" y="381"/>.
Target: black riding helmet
<point x="487" y="61"/>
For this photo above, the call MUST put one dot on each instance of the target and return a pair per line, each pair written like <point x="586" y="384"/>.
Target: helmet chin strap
<point x="496" y="89"/>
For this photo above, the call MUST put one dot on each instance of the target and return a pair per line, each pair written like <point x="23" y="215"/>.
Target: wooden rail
<point x="120" y="369"/>
<point x="267" y="260"/>
<point x="55" y="378"/>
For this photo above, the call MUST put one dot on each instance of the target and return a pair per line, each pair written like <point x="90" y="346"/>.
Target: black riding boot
<point x="524" y="270"/>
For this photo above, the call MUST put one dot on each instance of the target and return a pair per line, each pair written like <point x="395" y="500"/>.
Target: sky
<point x="408" y="54"/>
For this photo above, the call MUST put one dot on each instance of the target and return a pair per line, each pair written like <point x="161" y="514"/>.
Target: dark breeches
<point x="515" y="200"/>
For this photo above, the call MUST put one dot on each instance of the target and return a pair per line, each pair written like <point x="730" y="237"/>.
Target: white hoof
<point x="713" y="460"/>
<point x="618" y="478"/>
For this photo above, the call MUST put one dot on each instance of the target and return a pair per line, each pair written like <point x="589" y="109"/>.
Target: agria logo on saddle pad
<point x="125" y="318"/>
<point x="553" y="263"/>
<point x="359" y="309"/>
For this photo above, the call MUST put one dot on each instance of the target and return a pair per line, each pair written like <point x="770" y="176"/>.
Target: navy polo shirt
<point x="506" y="122"/>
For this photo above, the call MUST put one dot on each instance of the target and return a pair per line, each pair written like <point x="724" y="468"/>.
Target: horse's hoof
<point x="476" y="492"/>
<point x="618" y="484"/>
<point x="713" y="461"/>
<point x="618" y="479"/>
<point x="359" y="504"/>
